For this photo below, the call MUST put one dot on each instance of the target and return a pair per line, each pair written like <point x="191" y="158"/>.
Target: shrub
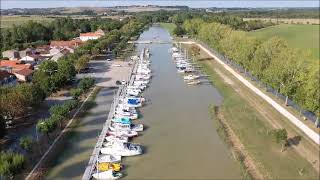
<point x="71" y="104"/>
<point x="46" y="125"/>
<point x="75" y="93"/>
<point x="60" y="110"/>
<point x="26" y="143"/>
<point x="86" y="83"/>
<point x="11" y="163"/>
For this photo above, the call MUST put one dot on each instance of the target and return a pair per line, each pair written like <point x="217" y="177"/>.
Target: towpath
<point x="314" y="136"/>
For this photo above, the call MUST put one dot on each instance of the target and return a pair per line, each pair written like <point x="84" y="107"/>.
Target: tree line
<point x="33" y="33"/>
<point x="272" y="61"/>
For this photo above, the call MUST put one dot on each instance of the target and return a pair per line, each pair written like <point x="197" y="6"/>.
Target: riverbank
<point x="57" y="145"/>
<point x="249" y="117"/>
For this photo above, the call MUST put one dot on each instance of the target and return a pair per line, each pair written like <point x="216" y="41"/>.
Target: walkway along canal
<point x="180" y="141"/>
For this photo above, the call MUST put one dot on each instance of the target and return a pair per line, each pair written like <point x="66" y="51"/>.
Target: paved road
<point x="72" y="162"/>
<point x="106" y="73"/>
<point x="304" y="128"/>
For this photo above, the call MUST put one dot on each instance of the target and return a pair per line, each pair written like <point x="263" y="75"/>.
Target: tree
<point x="213" y="33"/>
<point x="33" y="94"/>
<point x="2" y="127"/>
<point x="82" y="62"/>
<point x="13" y="104"/>
<point x="195" y="50"/>
<point x="264" y="54"/>
<point x="192" y="26"/>
<point x="178" y="30"/>
<point x="308" y="93"/>
<point x="49" y="67"/>
<point x="26" y="143"/>
<point x="281" y="136"/>
<point x="86" y="83"/>
<point x="66" y="69"/>
<point x="41" y="79"/>
<point x="11" y="163"/>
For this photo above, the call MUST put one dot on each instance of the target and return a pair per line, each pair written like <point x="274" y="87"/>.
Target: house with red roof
<point x="91" y="35"/>
<point x="66" y="44"/>
<point x="22" y="71"/>
<point x="24" y="75"/>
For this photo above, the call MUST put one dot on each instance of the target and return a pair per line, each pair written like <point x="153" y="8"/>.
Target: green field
<point x="304" y="37"/>
<point x="9" y="21"/>
<point x="169" y="26"/>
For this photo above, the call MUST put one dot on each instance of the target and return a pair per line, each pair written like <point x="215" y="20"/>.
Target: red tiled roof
<point x="72" y="43"/>
<point x="9" y="62"/>
<point x="24" y="72"/>
<point x="90" y="34"/>
<point x="15" y="65"/>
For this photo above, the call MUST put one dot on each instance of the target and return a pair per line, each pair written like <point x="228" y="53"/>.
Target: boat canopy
<point x="122" y="120"/>
<point x="133" y="101"/>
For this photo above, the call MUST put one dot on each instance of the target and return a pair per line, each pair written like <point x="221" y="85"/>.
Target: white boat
<point x="109" y="158"/>
<point x="122" y="114"/>
<point x="194" y="82"/>
<point x="110" y="174"/>
<point x="190" y="77"/>
<point x="126" y="127"/>
<point x="110" y="138"/>
<point x="125" y="133"/>
<point x="121" y="149"/>
<point x="133" y="92"/>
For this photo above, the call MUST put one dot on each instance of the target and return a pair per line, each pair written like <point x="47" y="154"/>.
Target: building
<point x="29" y="59"/>
<point x="91" y="35"/>
<point x="13" y="66"/>
<point x="24" y="75"/>
<point x="7" y="78"/>
<point x="66" y="44"/>
<point x="11" y="54"/>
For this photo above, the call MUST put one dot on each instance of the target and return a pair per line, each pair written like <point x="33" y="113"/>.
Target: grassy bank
<point x="253" y="130"/>
<point x="168" y="26"/>
<point x="304" y="37"/>
<point x="225" y="136"/>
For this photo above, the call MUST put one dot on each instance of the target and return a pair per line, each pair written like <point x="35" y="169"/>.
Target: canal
<point x="180" y="141"/>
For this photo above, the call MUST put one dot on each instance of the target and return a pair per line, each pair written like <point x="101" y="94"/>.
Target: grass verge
<point x="168" y="26"/>
<point x="253" y="132"/>
<point x="225" y="136"/>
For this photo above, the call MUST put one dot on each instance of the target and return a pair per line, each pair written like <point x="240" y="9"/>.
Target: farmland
<point x="9" y="21"/>
<point x="304" y="37"/>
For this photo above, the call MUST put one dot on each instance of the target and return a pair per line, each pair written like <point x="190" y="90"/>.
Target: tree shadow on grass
<point x="204" y="59"/>
<point x="294" y="141"/>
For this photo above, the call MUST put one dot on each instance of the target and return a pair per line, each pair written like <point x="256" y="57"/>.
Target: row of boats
<point x="122" y="128"/>
<point x="185" y="67"/>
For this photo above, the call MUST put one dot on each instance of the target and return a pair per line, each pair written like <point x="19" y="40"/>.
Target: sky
<point x="7" y="4"/>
